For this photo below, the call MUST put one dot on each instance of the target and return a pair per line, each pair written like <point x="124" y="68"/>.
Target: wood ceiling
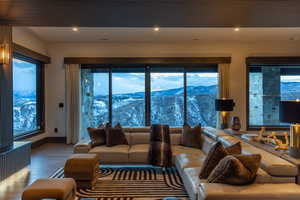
<point x="148" y="13"/>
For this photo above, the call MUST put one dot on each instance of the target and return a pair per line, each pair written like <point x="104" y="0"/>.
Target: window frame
<point x="267" y="62"/>
<point x="40" y="88"/>
<point x="147" y="69"/>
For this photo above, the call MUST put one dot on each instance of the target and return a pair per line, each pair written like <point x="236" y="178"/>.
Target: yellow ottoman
<point x="56" y="188"/>
<point x="83" y="169"/>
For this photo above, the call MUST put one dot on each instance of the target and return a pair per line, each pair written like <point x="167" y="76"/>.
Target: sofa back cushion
<point x="206" y="143"/>
<point x="139" y="138"/>
<point x="176" y="138"/>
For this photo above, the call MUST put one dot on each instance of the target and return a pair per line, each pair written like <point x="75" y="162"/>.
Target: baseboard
<point x="45" y="140"/>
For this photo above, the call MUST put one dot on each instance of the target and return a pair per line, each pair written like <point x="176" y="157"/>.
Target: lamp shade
<point x="289" y="111"/>
<point x="224" y="104"/>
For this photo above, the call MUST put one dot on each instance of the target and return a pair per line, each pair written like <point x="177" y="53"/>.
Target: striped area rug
<point x="133" y="183"/>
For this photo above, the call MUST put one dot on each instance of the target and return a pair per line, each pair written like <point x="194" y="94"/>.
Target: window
<point x="27" y="96"/>
<point x="268" y="85"/>
<point x="128" y="98"/>
<point x="167" y="98"/>
<point x="202" y="90"/>
<point x="144" y="95"/>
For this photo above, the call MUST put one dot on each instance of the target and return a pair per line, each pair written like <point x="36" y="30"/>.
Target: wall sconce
<point x="4" y="54"/>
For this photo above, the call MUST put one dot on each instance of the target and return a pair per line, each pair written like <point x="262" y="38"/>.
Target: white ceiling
<point x="65" y="34"/>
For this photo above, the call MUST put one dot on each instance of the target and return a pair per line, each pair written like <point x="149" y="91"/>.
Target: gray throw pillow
<point x="215" y="154"/>
<point x="191" y="137"/>
<point x="236" y="170"/>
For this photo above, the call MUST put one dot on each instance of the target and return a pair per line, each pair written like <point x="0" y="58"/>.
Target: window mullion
<point x="110" y="95"/>
<point x="184" y="99"/>
<point x="147" y="97"/>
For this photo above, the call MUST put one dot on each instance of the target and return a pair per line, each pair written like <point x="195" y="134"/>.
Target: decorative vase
<point x="235" y="123"/>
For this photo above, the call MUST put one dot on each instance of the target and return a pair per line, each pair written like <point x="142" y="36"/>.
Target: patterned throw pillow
<point x="215" y="154"/>
<point x="115" y="136"/>
<point x="97" y="136"/>
<point x="236" y="170"/>
<point x="191" y="137"/>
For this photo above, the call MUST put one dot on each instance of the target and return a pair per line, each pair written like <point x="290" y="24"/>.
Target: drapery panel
<point x="73" y="103"/>
<point x="224" y="85"/>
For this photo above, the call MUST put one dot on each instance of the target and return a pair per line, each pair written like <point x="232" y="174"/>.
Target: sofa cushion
<point x="114" y="154"/>
<point x="178" y="149"/>
<point x="191" y="137"/>
<point x="216" y="191"/>
<point x="138" y="153"/>
<point x="139" y="138"/>
<point x="175" y="138"/>
<point x="190" y="178"/>
<point x="184" y="160"/>
<point x="264" y="177"/>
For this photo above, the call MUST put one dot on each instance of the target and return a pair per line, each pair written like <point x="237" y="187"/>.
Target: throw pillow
<point x="234" y="149"/>
<point x="97" y="136"/>
<point x="236" y="170"/>
<point x="215" y="154"/>
<point x="191" y="137"/>
<point x="115" y="136"/>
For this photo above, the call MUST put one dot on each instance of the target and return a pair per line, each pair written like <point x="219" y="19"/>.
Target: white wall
<point x="55" y="75"/>
<point x="26" y="38"/>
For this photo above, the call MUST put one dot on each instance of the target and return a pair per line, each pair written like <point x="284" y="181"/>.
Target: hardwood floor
<point x="45" y="160"/>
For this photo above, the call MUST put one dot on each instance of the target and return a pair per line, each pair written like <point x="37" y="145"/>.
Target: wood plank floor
<point x="44" y="162"/>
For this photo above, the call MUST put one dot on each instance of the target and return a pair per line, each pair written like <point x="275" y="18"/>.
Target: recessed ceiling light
<point x="103" y="39"/>
<point x="75" y="29"/>
<point x="195" y="39"/>
<point x="236" y="29"/>
<point x="156" y="29"/>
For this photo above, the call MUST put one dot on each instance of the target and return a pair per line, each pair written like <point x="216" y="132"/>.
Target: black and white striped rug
<point x="133" y="183"/>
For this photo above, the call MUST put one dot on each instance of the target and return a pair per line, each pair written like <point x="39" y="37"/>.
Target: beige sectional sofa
<point x="273" y="173"/>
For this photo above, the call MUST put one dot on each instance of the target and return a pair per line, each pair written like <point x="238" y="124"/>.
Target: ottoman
<point x="57" y="188"/>
<point x="83" y="169"/>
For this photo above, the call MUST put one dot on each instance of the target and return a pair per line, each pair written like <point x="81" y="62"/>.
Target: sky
<point x="24" y="76"/>
<point x="123" y="83"/>
<point x="290" y="78"/>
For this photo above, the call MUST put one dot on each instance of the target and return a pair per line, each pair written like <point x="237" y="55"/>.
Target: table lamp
<point x="289" y="112"/>
<point x="224" y="106"/>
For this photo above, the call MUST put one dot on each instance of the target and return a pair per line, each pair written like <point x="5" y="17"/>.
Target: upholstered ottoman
<point x="83" y="169"/>
<point x="57" y="188"/>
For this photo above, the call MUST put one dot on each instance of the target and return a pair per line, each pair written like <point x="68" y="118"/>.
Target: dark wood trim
<point x="45" y="140"/>
<point x="276" y="60"/>
<point x="57" y="140"/>
<point x="147" y="97"/>
<point x="38" y="143"/>
<point x="30" y="53"/>
<point x="147" y="60"/>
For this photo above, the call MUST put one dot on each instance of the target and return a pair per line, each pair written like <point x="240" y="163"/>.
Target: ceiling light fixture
<point x="156" y="29"/>
<point x="237" y="29"/>
<point x="75" y="29"/>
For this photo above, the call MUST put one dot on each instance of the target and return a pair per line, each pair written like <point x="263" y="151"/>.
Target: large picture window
<point x="27" y="96"/>
<point x="268" y="85"/>
<point x="145" y="95"/>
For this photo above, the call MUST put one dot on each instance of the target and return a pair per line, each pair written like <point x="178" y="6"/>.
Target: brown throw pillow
<point x="97" y="136"/>
<point x="191" y="137"/>
<point x="236" y="170"/>
<point x="215" y="154"/>
<point x="234" y="149"/>
<point x="115" y="136"/>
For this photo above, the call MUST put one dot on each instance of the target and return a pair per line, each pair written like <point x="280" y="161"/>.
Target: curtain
<point x="224" y="77"/>
<point x="72" y="103"/>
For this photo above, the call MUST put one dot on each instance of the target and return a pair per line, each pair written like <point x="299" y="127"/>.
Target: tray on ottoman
<point x="83" y="169"/>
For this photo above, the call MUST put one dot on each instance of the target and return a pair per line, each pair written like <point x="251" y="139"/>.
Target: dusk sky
<point x="135" y="82"/>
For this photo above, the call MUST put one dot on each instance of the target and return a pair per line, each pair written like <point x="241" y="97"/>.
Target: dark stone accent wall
<point x="87" y="96"/>
<point x="6" y="97"/>
<point x="271" y="95"/>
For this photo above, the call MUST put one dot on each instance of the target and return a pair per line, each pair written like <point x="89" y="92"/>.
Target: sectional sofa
<point x="276" y="178"/>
